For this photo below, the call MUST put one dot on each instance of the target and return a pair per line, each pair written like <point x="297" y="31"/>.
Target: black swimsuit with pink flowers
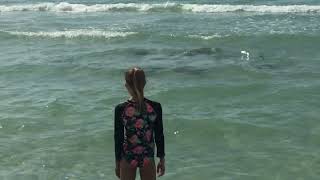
<point x="135" y="134"/>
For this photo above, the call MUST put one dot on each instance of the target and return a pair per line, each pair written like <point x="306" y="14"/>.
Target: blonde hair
<point x="136" y="80"/>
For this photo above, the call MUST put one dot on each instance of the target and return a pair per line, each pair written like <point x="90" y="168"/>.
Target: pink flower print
<point x="130" y="111"/>
<point x="148" y="135"/>
<point x="149" y="108"/>
<point x="139" y="123"/>
<point x="138" y="150"/>
<point x="134" y="163"/>
<point x="133" y="139"/>
<point x="145" y="161"/>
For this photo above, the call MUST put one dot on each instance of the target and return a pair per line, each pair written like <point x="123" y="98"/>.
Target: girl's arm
<point x="159" y="137"/>
<point x="118" y="134"/>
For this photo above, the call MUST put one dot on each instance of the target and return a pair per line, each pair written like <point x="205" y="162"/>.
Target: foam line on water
<point x="72" y="33"/>
<point x="206" y="37"/>
<point x="68" y="7"/>
<point x="251" y="8"/>
<point x="196" y="8"/>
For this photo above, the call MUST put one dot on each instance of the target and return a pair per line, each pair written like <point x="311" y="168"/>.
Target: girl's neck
<point x="133" y="99"/>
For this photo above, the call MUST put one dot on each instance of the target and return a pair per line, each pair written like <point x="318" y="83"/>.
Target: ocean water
<point x="238" y="80"/>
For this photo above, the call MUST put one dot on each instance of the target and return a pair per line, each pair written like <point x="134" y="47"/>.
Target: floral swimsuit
<point x="136" y="134"/>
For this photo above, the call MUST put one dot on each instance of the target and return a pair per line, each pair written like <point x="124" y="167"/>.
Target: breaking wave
<point x="175" y="7"/>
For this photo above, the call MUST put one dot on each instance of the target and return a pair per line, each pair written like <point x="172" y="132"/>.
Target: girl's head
<point x="135" y="82"/>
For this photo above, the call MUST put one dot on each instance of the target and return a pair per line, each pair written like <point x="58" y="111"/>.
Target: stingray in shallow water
<point x="205" y="51"/>
<point x="142" y="52"/>
<point x="265" y="66"/>
<point x="190" y="70"/>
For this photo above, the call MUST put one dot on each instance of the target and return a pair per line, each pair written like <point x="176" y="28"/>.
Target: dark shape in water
<point x="141" y="52"/>
<point x="207" y="51"/>
<point x="265" y="66"/>
<point x="190" y="70"/>
<point x="261" y="57"/>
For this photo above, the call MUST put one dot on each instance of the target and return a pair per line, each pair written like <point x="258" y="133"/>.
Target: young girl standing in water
<point x="137" y="129"/>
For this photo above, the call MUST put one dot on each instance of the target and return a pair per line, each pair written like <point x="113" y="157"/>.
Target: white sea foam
<point x="205" y="37"/>
<point x="73" y="34"/>
<point x="198" y="8"/>
<point x="68" y="7"/>
<point x="251" y="8"/>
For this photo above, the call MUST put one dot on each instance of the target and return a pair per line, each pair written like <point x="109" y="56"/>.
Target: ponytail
<point x="135" y="78"/>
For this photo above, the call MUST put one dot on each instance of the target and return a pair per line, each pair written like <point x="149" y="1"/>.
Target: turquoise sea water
<point x="238" y="81"/>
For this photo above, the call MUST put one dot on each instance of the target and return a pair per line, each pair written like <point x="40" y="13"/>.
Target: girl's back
<point x="138" y="129"/>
